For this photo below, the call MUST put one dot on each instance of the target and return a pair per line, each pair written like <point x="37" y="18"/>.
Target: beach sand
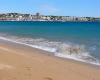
<point x="20" y="62"/>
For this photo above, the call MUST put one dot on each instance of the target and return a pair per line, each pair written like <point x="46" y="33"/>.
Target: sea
<point x="78" y="41"/>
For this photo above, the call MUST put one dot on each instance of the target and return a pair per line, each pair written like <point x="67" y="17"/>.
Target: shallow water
<point x="77" y="40"/>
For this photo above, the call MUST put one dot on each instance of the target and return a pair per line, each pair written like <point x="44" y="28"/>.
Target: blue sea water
<point x="76" y="40"/>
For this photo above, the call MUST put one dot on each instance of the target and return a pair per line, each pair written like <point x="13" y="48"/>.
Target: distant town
<point x="39" y="17"/>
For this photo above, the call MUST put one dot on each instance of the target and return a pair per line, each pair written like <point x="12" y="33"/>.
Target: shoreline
<point x="38" y="17"/>
<point x="49" y="52"/>
<point x="42" y="21"/>
<point x="48" y="67"/>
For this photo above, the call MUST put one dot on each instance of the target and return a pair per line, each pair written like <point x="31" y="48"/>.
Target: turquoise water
<point x="53" y="34"/>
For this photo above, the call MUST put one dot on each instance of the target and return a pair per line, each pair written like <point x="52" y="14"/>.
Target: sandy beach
<point x="20" y="62"/>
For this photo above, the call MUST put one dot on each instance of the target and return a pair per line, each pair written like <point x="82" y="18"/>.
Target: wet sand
<point x="20" y="62"/>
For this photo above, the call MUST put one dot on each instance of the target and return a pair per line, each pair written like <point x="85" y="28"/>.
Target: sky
<point x="81" y="8"/>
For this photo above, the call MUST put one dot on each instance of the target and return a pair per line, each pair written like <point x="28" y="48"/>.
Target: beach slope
<point x="20" y="62"/>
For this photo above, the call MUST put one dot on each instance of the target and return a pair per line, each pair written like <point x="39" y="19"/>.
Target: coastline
<point x="50" y="52"/>
<point x="44" y="21"/>
<point x="36" y="64"/>
<point x="39" y="17"/>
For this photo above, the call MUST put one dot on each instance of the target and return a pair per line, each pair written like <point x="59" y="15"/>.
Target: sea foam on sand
<point x="59" y="49"/>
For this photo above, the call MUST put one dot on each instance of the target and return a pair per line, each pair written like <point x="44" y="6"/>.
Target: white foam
<point x="34" y="46"/>
<point x="57" y="48"/>
<point x="74" y="57"/>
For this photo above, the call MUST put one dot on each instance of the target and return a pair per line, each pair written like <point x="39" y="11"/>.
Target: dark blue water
<point x="84" y="33"/>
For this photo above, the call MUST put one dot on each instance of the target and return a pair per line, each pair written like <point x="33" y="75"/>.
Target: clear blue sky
<point x="52" y="7"/>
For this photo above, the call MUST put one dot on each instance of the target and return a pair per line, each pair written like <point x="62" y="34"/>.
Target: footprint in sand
<point x="48" y="78"/>
<point x="28" y="68"/>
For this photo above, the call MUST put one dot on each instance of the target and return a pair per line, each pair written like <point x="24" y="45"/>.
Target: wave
<point x="59" y="49"/>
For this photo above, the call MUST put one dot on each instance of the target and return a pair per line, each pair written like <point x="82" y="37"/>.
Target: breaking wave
<point x="59" y="49"/>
